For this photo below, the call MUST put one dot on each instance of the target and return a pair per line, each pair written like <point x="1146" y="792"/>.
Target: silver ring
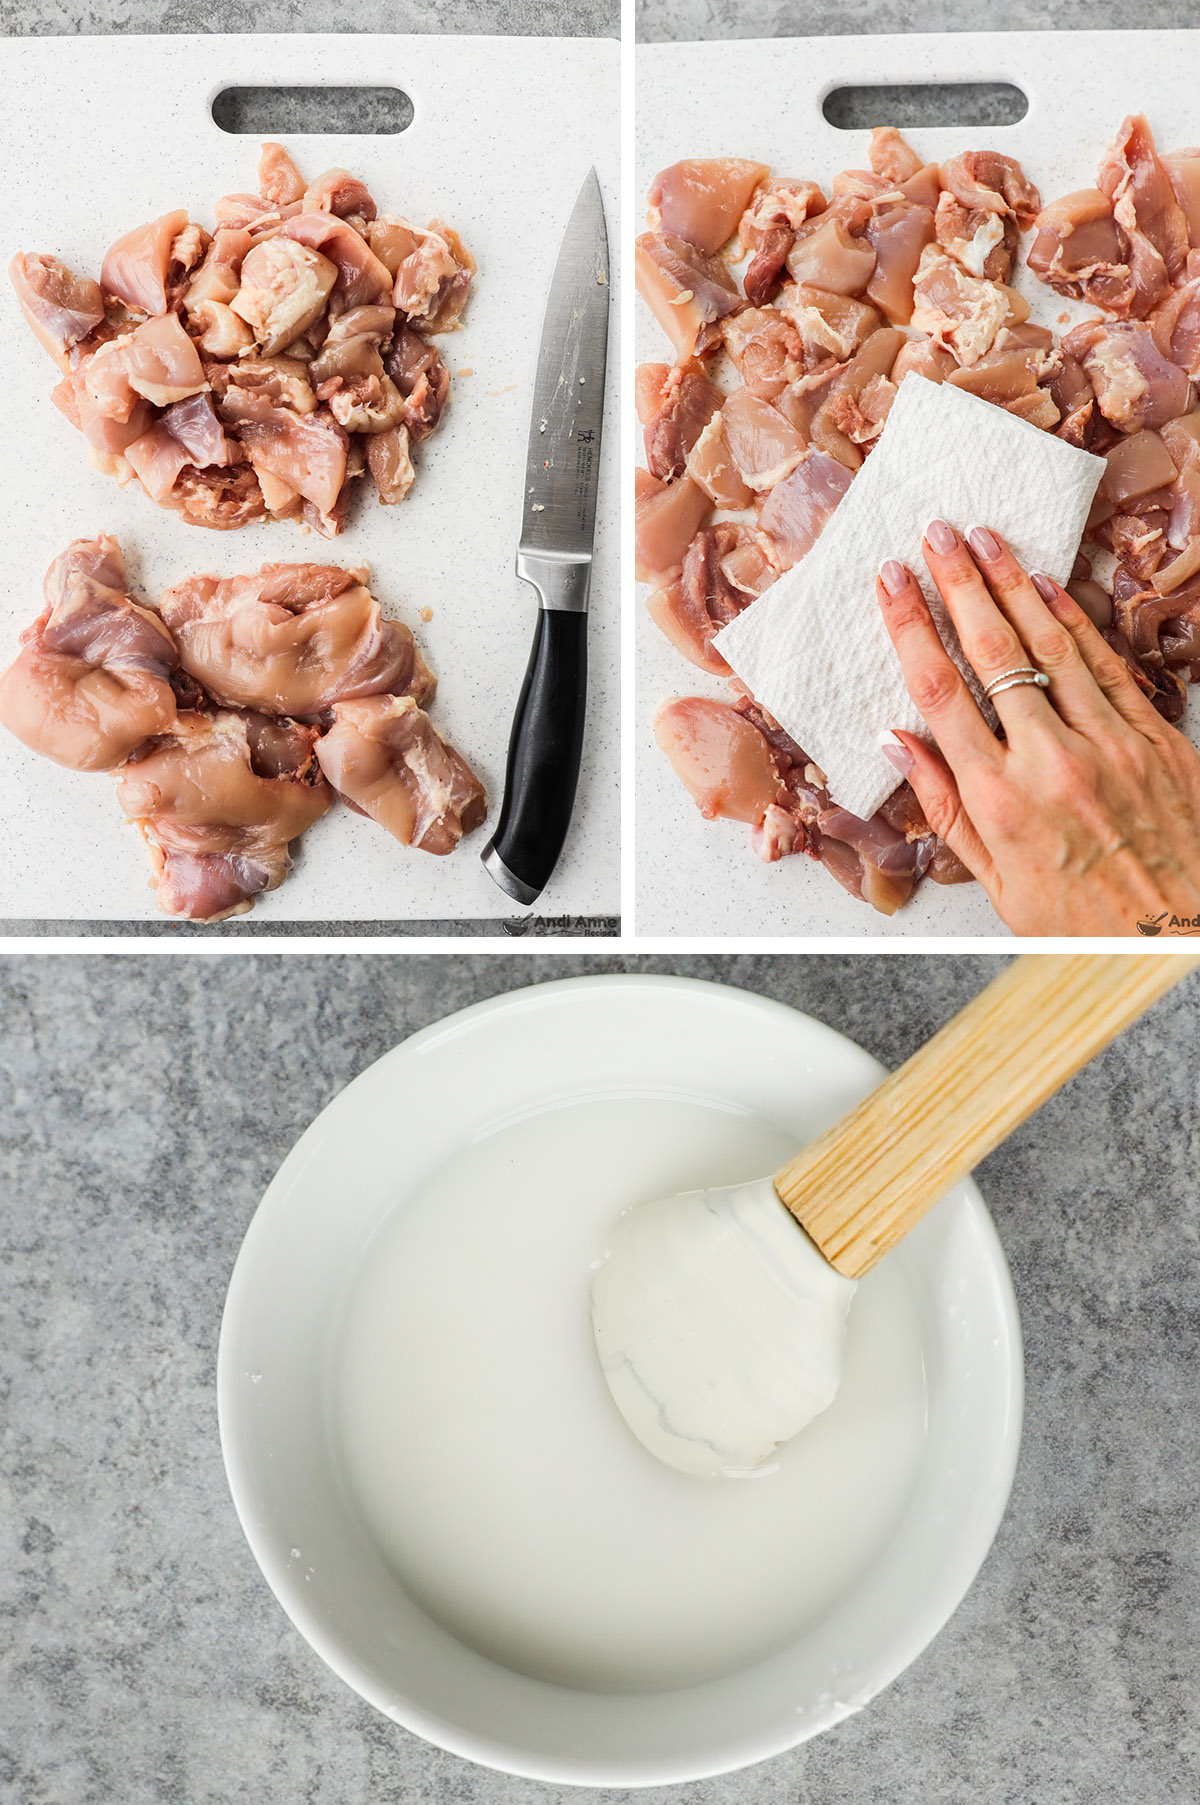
<point x="1023" y="673"/>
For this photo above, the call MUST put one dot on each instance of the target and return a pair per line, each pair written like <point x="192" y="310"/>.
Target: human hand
<point x="1085" y="818"/>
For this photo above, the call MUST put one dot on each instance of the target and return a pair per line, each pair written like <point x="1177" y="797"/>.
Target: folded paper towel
<point x="813" y="649"/>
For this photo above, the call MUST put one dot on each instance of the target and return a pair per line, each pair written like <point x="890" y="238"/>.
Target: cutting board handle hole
<point x="272" y="112"/>
<point x="911" y="105"/>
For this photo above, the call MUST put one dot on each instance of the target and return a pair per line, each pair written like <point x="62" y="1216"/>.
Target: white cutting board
<point x="763" y="100"/>
<point x="99" y="134"/>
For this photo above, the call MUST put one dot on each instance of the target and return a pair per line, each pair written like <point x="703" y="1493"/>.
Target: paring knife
<point x="555" y="555"/>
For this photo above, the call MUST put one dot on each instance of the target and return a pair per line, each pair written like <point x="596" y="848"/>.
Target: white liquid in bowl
<point x="489" y="1463"/>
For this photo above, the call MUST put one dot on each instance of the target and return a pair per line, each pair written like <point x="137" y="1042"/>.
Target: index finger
<point x="932" y="678"/>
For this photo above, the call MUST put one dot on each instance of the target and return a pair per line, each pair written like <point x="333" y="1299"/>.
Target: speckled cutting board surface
<point x="763" y="100"/>
<point x="100" y="134"/>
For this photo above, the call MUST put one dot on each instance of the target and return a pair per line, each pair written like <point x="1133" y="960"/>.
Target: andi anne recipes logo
<point x="1166" y="923"/>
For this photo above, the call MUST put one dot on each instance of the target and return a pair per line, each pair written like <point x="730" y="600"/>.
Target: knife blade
<point x="554" y="555"/>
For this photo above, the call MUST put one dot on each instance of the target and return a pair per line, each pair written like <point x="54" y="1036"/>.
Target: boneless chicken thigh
<point x="292" y="640"/>
<point x="386" y="758"/>
<point x="218" y="800"/>
<point x="93" y="677"/>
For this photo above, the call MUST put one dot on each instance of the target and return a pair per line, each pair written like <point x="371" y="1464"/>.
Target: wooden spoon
<point x="720" y="1329"/>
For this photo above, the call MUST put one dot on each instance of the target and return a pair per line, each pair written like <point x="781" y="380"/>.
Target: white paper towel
<point x="813" y="650"/>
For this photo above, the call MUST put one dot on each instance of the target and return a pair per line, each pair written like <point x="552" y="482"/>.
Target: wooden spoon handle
<point x="871" y="1177"/>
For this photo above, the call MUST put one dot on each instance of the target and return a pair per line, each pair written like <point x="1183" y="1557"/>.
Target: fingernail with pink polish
<point x="1042" y="583"/>
<point x="899" y="755"/>
<point x="985" y="545"/>
<point x="941" y="537"/>
<point x="893" y="576"/>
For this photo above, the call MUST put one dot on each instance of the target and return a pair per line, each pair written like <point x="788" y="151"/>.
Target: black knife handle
<point x="543" y="757"/>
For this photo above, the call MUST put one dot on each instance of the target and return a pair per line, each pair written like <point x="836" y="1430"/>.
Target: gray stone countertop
<point x="526" y="18"/>
<point x="685" y="21"/>
<point x="145" y="1103"/>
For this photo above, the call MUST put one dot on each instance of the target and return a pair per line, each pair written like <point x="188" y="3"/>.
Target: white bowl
<point x="377" y="1143"/>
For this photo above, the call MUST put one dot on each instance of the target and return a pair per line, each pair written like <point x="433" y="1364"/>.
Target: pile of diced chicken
<point x="905" y="267"/>
<point x="232" y="716"/>
<point x="256" y="372"/>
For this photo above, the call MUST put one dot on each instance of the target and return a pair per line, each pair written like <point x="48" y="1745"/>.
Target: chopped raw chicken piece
<point x="1136" y="466"/>
<point x="61" y="308"/>
<point x="1080" y="251"/>
<point x="1183" y="173"/>
<point x="710" y="465"/>
<point x="687" y="292"/>
<point x="688" y="403"/>
<point x="220" y="275"/>
<point x="986" y="181"/>
<point x="1134" y="384"/>
<point x="390" y="465"/>
<point x="308" y="452"/>
<point x="218" y="799"/>
<point x="292" y="640"/>
<point x="959" y="312"/>
<point x="702" y="200"/>
<point x="92" y="680"/>
<point x="432" y="271"/>
<point x="829" y="257"/>
<point x="763" y="446"/>
<point x="1144" y="206"/>
<point x="720" y="757"/>
<point x="890" y="157"/>
<point x="667" y="517"/>
<point x="279" y="181"/>
<point x="1175" y="324"/>
<point x="284" y="287"/>
<point x="337" y="191"/>
<point x="796" y="512"/>
<point x="136" y="267"/>
<point x="157" y="361"/>
<point x="828" y="325"/>
<point x="898" y="234"/>
<point x="386" y="758"/>
<point x="767" y="347"/>
<point x="422" y="378"/>
<point x="768" y="230"/>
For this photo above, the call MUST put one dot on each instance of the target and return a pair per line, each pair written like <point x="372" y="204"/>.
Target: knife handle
<point x="543" y="757"/>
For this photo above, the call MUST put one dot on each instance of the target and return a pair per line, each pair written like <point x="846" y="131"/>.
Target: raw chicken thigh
<point x="386" y="758"/>
<point x="259" y="371"/>
<point x="218" y="800"/>
<point x="903" y="267"/>
<point x="93" y="678"/>
<point x="292" y="640"/>
<point x="214" y="765"/>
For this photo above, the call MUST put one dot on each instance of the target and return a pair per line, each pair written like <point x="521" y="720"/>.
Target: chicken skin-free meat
<point x="1145" y="208"/>
<point x="386" y="758"/>
<point x="303" y="321"/>
<point x="1079" y="249"/>
<point x="93" y="678"/>
<point x="1135" y="385"/>
<point x="136" y="267"/>
<point x="796" y="512"/>
<point x="688" y="402"/>
<point x="768" y="231"/>
<point x="687" y="292"/>
<point x="61" y="308"/>
<point x="293" y="640"/>
<point x="702" y="199"/>
<point x="218" y="799"/>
